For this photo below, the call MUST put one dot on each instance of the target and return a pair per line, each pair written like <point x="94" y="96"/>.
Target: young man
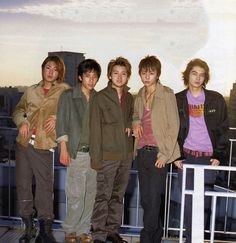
<point x="73" y="137"/>
<point x="155" y="126"/>
<point x="203" y="135"/>
<point x="35" y="118"/>
<point x="111" y="150"/>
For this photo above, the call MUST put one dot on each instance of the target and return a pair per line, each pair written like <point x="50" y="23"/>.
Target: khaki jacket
<point x="35" y="108"/>
<point x="165" y="121"/>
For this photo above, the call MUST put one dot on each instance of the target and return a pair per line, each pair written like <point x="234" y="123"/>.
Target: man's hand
<point x="128" y="131"/>
<point x="64" y="155"/>
<point x="159" y="164"/>
<point x="50" y="124"/>
<point x="138" y="131"/>
<point x="215" y="162"/>
<point x="24" y="130"/>
<point x="179" y="164"/>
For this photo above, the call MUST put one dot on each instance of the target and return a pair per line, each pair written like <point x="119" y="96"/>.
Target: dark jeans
<point x="37" y="163"/>
<point x="112" y="181"/>
<point x="152" y="185"/>
<point x="210" y="177"/>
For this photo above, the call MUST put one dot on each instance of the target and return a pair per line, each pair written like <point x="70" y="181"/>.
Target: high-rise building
<point x="71" y="60"/>
<point x="232" y="106"/>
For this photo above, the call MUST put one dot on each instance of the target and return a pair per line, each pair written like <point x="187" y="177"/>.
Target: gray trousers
<point x="37" y="163"/>
<point x="80" y="192"/>
<point x="112" y="181"/>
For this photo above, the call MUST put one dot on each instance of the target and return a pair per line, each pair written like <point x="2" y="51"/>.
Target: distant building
<point x="232" y="106"/>
<point x="71" y="60"/>
<point x="9" y="97"/>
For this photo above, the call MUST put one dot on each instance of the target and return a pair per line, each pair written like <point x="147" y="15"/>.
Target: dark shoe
<point x="98" y="241"/>
<point x="115" y="238"/>
<point x="45" y="232"/>
<point x="30" y="230"/>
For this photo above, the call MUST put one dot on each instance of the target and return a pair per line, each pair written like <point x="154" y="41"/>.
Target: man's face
<point x="89" y="80"/>
<point x="196" y="77"/>
<point x="119" y="76"/>
<point x="50" y="72"/>
<point x="149" y="77"/>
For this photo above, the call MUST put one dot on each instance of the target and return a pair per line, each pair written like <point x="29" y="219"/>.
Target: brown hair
<point x="197" y="62"/>
<point x="60" y="66"/>
<point x="150" y="62"/>
<point x="120" y="61"/>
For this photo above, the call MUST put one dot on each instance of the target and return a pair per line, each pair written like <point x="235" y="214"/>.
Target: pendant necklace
<point x="148" y="97"/>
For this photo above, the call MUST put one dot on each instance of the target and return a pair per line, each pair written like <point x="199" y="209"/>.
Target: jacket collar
<point x="41" y="83"/>
<point x="158" y="94"/>
<point x="77" y="91"/>
<point x="183" y="93"/>
<point x="109" y="86"/>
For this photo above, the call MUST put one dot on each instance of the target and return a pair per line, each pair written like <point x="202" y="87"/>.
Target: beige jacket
<point x="35" y="108"/>
<point x="165" y="121"/>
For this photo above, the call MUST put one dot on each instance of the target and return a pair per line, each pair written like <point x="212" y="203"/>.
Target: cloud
<point x="21" y="3"/>
<point x="112" y="11"/>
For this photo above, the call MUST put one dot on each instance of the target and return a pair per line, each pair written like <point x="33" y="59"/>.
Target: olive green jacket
<point x="165" y="121"/>
<point x="108" y="121"/>
<point x="35" y="108"/>
<point x="70" y="114"/>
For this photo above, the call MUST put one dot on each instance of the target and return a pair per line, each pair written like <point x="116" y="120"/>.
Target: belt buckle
<point x="150" y="148"/>
<point x="84" y="149"/>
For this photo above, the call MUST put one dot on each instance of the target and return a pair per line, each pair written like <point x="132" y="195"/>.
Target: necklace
<point x="148" y="96"/>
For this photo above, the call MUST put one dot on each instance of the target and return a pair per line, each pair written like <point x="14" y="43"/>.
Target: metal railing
<point x="169" y="191"/>
<point x="136" y="222"/>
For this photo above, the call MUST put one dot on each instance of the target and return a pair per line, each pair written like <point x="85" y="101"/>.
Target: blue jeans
<point x="152" y="185"/>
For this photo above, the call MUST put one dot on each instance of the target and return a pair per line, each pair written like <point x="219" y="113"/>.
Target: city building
<point x="232" y="106"/>
<point x="71" y="60"/>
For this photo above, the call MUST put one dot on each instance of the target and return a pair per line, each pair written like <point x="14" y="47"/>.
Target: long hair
<point x="197" y="62"/>
<point x="60" y="66"/>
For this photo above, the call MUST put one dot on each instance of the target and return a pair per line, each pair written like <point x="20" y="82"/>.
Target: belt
<point x="197" y="153"/>
<point x="31" y="141"/>
<point x="150" y="148"/>
<point x="84" y="149"/>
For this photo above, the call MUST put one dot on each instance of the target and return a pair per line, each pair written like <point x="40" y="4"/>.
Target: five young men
<point x="94" y="133"/>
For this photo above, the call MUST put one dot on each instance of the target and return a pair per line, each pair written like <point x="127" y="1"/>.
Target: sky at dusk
<point x="174" y="30"/>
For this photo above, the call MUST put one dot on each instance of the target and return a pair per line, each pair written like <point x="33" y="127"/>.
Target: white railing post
<point x="198" y="205"/>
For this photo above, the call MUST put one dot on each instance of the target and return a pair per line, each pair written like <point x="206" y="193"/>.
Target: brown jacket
<point x="165" y="121"/>
<point x="108" y="140"/>
<point x="35" y="108"/>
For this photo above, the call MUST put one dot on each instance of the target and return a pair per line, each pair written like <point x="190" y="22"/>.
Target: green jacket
<point x="108" y="140"/>
<point x="35" y="108"/>
<point x="70" y="115"/>
<point x="165" y="121"/>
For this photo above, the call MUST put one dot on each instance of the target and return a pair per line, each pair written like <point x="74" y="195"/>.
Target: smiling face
<point x="119" y="76"/>
<point x="196" y="77"/>
<point x="50" y="72"/>
<point x="149" y="77"/>
<point x="89" y="80"/>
